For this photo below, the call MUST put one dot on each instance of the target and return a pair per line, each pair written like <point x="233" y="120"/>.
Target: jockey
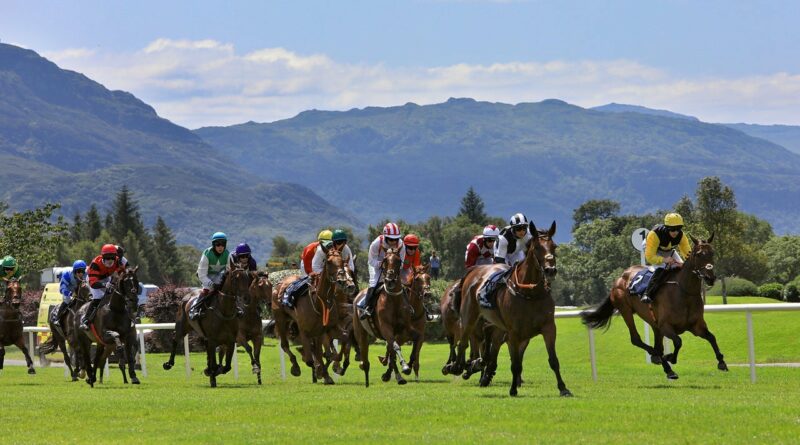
<point x="510" y="247"/>
<point x="243" y="256"/>
<point x="412" y="259"/>
<point x="481" y="249"/>
<point x="390" y="239"/>
<point x="100" y="271"/>
<point x="339" y="243"/>
<point x="307" y="258"/>
<point x="211" y="269"/>
<point x="11" y="269"/>
<point x="68" y="287"/>
<point x="324" y="240"/>
<point x="666" y="246"/>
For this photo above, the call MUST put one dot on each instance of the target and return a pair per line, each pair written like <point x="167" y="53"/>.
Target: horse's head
<point x="13" y="292"/>
<point x="82" y="293"/>
<point x="702" y="259"/>
<point x="237" y="283"/>
<point x="261" y="288"/>
<point x="421" y="282"/>
<point x="129" y="287"/>
<point x="338" y="273"/>
<point x="391" y="265"/>
<point x="544" y="248"/>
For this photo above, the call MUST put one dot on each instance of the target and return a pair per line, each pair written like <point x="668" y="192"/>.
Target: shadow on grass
<point x="665" y="386"/>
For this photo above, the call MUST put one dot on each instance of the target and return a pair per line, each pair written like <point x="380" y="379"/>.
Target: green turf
<point x="631" y="402"/>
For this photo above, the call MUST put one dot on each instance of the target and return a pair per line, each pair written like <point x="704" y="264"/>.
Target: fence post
<point x="30" y="346"/>
<point x="235" y="363"/>
<point x="283" y="363"/>
<point x="751" y="348"/>
<point x="592" y="356"/>
<point x="186" y="356"/>
<point x="141" y="353"/>
<point x="646" y="340"/>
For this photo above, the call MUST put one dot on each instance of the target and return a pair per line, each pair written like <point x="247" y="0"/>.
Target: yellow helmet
<point x="325" y="235"/>
<point x="673" y="219"/>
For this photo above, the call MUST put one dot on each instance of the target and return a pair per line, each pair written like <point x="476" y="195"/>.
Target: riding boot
<point x="652" y="286"/>
<point x="196" y="310"/>
<point x="368" y="304"/>
<point x="62" y="309"/>
<point x="89" y="315"/>
<point x="288" y="300"/>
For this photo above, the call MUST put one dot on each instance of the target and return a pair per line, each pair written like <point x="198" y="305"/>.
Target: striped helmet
<point x="391" y="231"/>
<point x="491" y="231"/>
<point x="518" y="220"/>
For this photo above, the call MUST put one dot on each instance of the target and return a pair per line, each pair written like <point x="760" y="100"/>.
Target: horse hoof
<point x="329" y="381"/>
<point x="402" y="382"/>
<point x="383" y="360"/>
<point x="207" y="372"/>
<point x="74" y="379"/>
<point x="213" y="383"/>
<point x="256" y="370"/>
<point x="406" y="370"/>
<point x="295" y="371"/>
<point x="722" y="366"/>
<point x="671" y="358"/>
<point x="672" y="376"/>
<point x="31" y="371"/>
<point x="135" y="381"/>
<point x="466" y="375"/>
<point x="82" y="374"/>
<point x="445" y="370"/>
<point x="167" y="366"/>
<point x="386" y="377"/>
<point x="513" y="391"/>
<point x="566" y="393"/>
<point x="655" y="359"/>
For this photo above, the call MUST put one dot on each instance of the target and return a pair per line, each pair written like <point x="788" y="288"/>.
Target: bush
<point x="162" y="307"/>
<point x="791" y="292"/>
<point x="29" y="307"/>
<point x="771" y="290"/>
<point x="737" y="287"/>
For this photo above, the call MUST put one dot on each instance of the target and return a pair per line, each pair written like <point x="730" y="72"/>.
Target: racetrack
<point x="632" y="401"/>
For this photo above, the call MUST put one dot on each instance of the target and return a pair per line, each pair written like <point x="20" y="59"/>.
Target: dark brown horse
<point x="219" y="326"/>
<point x="11" y="324"/>
<point x="316" y="313"/>
<point x="524" y="309"/>
<point x="418" y="293"/>
<point x="66" y="334"/>
<point x="677" y="307"/>
<point x="388" y="322"/>
<point x="250" y="329"/>
<point x="113" y="328"/>
<point x="451" y="320"/>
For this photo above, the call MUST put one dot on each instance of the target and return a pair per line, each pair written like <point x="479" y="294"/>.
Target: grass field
<point x="631" y="402"/>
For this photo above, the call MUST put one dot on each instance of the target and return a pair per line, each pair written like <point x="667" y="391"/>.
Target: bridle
<point x="396" y="278"/>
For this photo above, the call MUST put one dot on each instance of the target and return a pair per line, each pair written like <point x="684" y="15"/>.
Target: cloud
<point x="206" y="82"/>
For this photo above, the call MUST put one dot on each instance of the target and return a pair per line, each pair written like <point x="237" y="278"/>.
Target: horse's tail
<point x="599" y="316"/>
<point x="49" y="346"/>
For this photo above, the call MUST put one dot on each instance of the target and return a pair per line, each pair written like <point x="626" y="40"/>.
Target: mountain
<point x="65" y="138"/>
<point x="787" y="136"/>
<point x="542" y="158"/>
<point x="624" y="108"/>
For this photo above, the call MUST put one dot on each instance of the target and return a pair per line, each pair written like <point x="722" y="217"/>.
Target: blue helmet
<point x="79" y="264"/>
<point x="242" y="249"/>
<point x="219" y="236"/>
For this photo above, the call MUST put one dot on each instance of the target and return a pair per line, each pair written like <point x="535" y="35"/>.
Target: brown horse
<point x="677" y="308"/>
<point x="219" y="326"/>
<point x="418" y="293"/>
<point x="11" y="324"/>
<point x="250" y="328"/>
<point x="317" y="316"/>
<point x="524" y="309"/>
<point x="113" y="327"/>
<point x="388" y="322"/>
<point x="451" y="320"/>
<point x="66" y="333"/>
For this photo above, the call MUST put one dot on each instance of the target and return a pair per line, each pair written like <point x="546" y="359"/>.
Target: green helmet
<point x="339" y="235"/>
<point x="9" y="261"/>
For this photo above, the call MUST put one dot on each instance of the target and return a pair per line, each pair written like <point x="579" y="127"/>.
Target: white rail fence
<point x="748" y="309"/>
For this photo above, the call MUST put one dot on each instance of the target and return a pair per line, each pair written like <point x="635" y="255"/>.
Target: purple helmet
<point x="242" y="249"/>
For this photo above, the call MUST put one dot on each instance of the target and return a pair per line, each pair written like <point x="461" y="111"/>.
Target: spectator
<point x="436" y="264"/>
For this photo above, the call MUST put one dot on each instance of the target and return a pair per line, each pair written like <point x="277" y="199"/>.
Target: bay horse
<point x="218" y="327"/>
<point x="66" y="334"/>
<point x="524" y="309"/>
<point x="677" y="307"/>
<point x="418" y="293"/>
<point x="250" y="328"/>
<point x="388" y="321"/>
<point x="113" y="327"/>
<point x="11" y="324"/>
<point x="316" y="313"/>
<point x="451" y="321"/>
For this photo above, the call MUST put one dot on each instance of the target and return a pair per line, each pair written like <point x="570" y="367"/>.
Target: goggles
<point x="80" y="270"/>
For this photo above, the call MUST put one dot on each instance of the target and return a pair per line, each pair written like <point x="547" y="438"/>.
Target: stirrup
<point x="365" y="313"/>
<point x="646" y="300"/>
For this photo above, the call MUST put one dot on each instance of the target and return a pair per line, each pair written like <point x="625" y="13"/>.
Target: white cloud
<point x="206" y="82"/>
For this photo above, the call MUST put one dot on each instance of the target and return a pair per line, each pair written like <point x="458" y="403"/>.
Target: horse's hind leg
<point x="280" y="331"/>
<point x="636" y="340"/>
<point x="701" y="330"/>
<point x="670" y="334"/>
<point x="130" y="351"/>
<point x="28" y="361"/>
<point x="2" y="356"/>
<point x="62" y="345"/>
<point x="179" y="334"/>
<point x="658" y="345"/>
<point x="549" y="335"/>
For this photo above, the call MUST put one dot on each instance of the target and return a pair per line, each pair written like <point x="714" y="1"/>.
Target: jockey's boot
<point x="60" y="312"/>
<point x="89" y="315"/>
<point x="288" y="300"/>
<point x="368" y="304"/>
<point x="652" y="286"/>
<point x="196" y="310"/>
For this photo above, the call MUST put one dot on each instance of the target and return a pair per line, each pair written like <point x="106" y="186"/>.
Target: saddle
<point x="490" y="286"/>
<point x="640" y="281"/>
<point x="293" y="290"/>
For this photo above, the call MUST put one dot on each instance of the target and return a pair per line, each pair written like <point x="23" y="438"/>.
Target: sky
<point x="208" y="63"/>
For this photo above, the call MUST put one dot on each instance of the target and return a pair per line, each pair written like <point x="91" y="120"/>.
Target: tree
<point x="31" y="237"/>
<point x="716" y="211"/>
<point x="783" y="258"/>
<point x="93" y="226"/>
<point x="76" y="231"/>
<point x="594" y="209"/>
<point x="3" y="207"/>
<point x="472" y="208"/>
<point x="126" y="217"/>
<point x="166" y="254"/>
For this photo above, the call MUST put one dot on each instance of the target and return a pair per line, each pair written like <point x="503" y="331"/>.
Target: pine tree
<point x="76" y="230"/>
<point x="167" y="256"/>
<point x="126" y="216"/>
<point x="472" y="208"/>
<point x="93" y="227"/>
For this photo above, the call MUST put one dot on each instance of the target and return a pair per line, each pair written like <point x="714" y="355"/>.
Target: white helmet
<point x="518" y="220"/>
<point x="391" y="231"/>
<point x="491" y="231"/>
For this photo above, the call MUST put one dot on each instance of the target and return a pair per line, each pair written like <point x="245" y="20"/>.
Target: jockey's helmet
<point x="339" y="235"/>
<point x="391" y="231"/>
<point x="491" y="231"/>
<point x="9" y="262"/>
<point x="78" y="265"/>
<point x="242" y="249"/>
<point x="518" y="220"/>
<point x="673" y="220"/>
<point x="325" y="235"/>
<point x="411" y="240"/>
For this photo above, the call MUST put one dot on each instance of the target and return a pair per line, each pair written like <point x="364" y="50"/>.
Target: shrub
<point x="162" y="307"/>
<point x="737" y="287"/>
<point x="771" y="290"/>
<point x="791" y="292"/>
<point x="29" y="307"/>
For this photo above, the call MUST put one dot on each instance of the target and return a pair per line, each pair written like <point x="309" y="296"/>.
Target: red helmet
<point x="411" y="240"/>
<point x="391" y="231"/>
<point x="491" y="231"/>
<point x="108" y="249"/>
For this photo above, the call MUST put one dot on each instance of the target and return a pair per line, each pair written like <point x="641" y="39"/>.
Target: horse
<point x="525" y="309"/>
<point x="219" y="326"/>
<point x="317" y="317"/>
<point x="66" y="333"/>
<point x="250" y="328"/>
<point x="113" y="324"/>
<point x="677" y="307"/>
<point x="388" y="322"/>
<point x="11" y="324"/>
<point x="451" y="320"/>
<point x="418" y="292"/>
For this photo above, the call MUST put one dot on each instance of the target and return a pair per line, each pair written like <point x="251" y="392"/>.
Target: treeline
<point x="155" y="251"/>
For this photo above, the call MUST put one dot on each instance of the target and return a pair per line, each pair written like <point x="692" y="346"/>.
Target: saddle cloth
<point x="640" y="281"/>
<point x="487" y="290"/>
<point x="294" y="289"/>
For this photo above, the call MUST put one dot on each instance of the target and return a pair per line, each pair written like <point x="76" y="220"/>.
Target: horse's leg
<point x="549" y="335"/>
<point x="658" y="345"/>
<point x="2" y="356"/>
<point x="701" y="330"/>
<point x="362" y="344"/>
<point x="452" y="357"/>
<point x="280" y="331"/>
<point x="180" y="323"/>
<point x="387" y="360"/>
<point x="257" y="340"/>
<point x="398" y="356"/>
<point x="230" y="349"/>
<point x="636" y="340"/>
<point x="469" y="318"/>
<point x="516" y="363"/>
<point x="28" y="360"/>
<point x="415" y="353"/>
<point x="668" y="332"/>
<point x="320" y="362"/>
<point x="211" y="362"/>
<point x="130" y="350"/>
<point x="62" y="345"/>
<point x="491" y="348"/>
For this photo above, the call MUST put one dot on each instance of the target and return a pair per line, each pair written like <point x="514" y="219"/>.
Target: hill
<point x="65" y="138"/>
<point x="787" y="136"/>
<point x="625" y="108"/>
<point x="542" y="158"/>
